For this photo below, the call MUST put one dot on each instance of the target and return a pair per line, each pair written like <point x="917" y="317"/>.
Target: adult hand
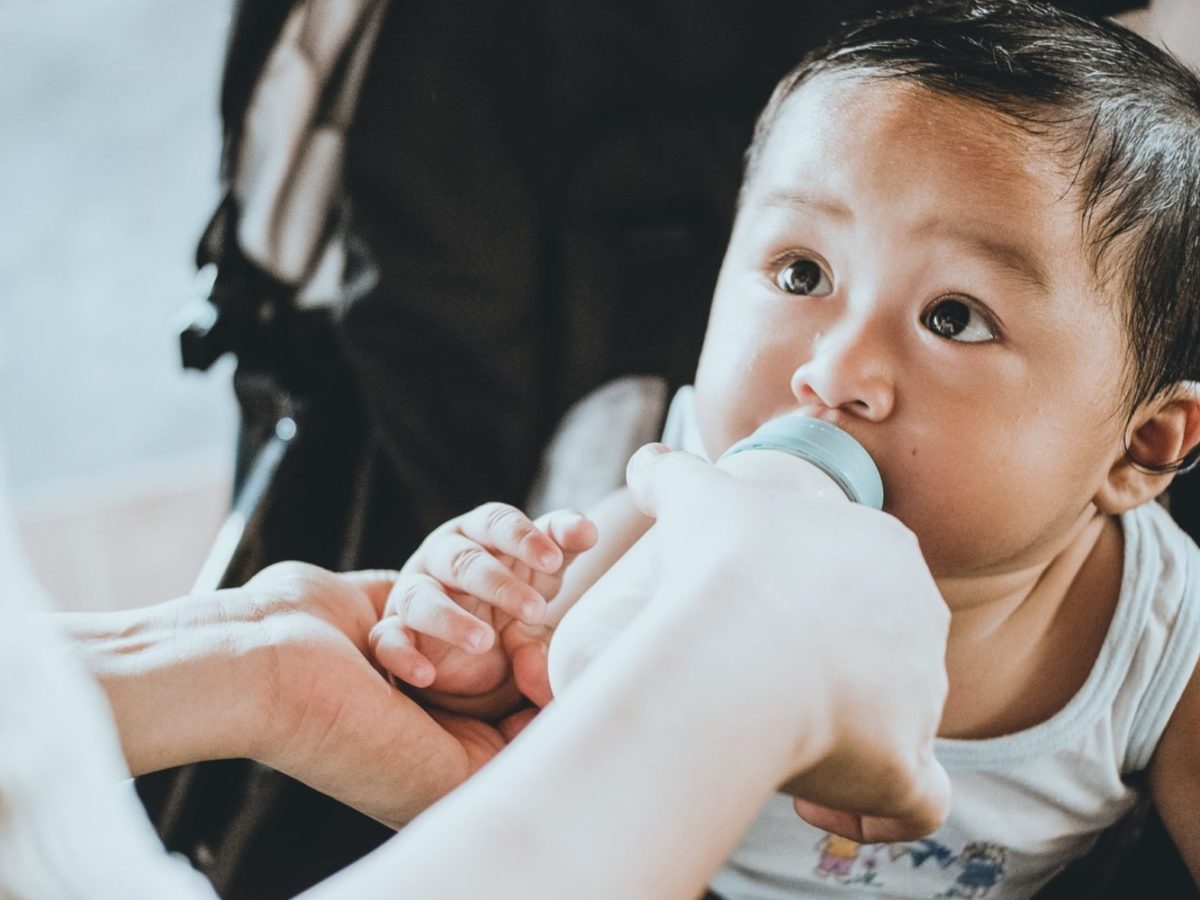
<point x="764" y="651"/>
<point x="278" y="671"/>
<point x="838" y="603"/>
<point x="341" y="727"/>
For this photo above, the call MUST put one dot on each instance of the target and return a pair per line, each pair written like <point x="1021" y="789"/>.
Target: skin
<point x="1007" y="456"/>
<point x="988" y="449"/>
<point x="914" y="269"/>
<point x="1002" y="446"/>
<point x="277" y="669"/>
<point x="537" y="819"/>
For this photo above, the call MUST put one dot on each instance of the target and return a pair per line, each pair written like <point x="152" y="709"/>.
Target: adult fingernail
<point x="644" y="454"/>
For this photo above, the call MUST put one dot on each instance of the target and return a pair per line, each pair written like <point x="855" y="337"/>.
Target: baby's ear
<point x="1161" y="434"/>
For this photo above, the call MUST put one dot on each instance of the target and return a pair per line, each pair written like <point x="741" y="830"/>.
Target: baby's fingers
<point x="420" y="604"/>
<point x="526" y="648"/>
<point x="506" y="530"/>
<point x="572" y="531"/>
<point x="393" y="648"/>
<point x="461" y="564"/>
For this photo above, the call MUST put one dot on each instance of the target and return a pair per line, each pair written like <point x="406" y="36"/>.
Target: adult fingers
<point x="421" y="604"/>
<point x="922" y="813"/>
<point x="658" y="476"/>
<point x="928" y="806"/>
<point x="460" y="563"/>
<point x="505" y="529"/>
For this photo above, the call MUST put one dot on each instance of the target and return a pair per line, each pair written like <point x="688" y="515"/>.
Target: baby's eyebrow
<point x="1014" y="257"/>
<point x="793" y="199"/>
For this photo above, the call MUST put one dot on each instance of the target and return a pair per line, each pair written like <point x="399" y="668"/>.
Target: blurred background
<point x="118" y="462"/>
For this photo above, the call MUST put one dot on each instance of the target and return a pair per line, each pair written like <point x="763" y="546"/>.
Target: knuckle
<point x="445" y="621"/>
<point x="465" y="562"/>
<point x="430" y="545"/>
<point x="498" y="516"/>
<point x="507" y="521"/>
<point x="406" y="595"/>
<point x="288" y="569"/>
<point x="897" y="777"/>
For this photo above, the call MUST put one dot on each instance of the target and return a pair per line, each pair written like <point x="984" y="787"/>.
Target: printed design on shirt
<point x="976" y="869"/>
<point x="982" y="869"/>
<point x="847" y="861"/>
<point x="922" y="851"/>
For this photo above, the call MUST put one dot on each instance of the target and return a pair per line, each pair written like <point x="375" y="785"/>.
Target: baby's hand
<point x="455" y="615"/>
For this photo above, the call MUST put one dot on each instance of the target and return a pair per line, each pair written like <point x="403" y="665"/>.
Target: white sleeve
<point x="69" y="828"/>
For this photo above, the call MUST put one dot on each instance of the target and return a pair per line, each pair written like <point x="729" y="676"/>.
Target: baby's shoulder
<point x="1159" y="555"/>
<point x="1159" y="615"/>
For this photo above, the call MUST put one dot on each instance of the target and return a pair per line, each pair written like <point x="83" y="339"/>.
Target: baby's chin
<point x="946" y="554"/>
<point x="965" y="578"/>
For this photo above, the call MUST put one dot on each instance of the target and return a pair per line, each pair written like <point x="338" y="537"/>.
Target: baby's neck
<point x="1022" y="642"/>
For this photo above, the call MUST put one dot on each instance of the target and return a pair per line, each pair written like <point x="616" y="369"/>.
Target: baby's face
<point x="909" y="267"/>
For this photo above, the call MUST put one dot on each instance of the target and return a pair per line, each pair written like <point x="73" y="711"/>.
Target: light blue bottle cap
<point x="827" y="447"/>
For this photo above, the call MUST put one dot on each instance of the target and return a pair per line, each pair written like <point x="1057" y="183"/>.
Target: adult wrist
<point x="717" y="609"/>
<point x="181" y="678"/>
<point x="777" y="692"/>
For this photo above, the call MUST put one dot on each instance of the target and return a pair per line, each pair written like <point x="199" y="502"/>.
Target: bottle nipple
<point x="832" y="450"/>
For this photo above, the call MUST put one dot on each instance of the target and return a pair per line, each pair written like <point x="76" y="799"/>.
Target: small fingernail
<point x="547" y="559"/>
<point x="476" y="638"/>
<point x="423" y="674"/>
<point x="532" y="612"/>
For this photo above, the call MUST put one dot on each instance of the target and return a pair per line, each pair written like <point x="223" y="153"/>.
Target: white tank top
<point x="1026" y="804"/>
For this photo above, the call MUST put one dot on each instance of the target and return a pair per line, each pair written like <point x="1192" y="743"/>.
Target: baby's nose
<point x="848" y="369"/>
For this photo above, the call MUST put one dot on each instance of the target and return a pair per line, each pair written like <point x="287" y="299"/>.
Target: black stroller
<point x="443" y="226"/>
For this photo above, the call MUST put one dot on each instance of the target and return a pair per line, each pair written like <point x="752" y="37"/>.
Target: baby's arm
<point x="1175" y="776"/>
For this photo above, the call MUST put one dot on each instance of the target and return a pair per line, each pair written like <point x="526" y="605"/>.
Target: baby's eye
<point x="804" y="277"/>
<point x="957" y="321"/>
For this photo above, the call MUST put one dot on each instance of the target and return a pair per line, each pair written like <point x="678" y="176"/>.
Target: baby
<point x="969" y="235"/>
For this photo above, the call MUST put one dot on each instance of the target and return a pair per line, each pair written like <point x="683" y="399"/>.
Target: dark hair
<point x="1125" y="113"/>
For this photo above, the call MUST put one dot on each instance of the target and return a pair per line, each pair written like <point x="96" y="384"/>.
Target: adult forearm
<point x="637" y="782"/>
<point x="182" y="684"/>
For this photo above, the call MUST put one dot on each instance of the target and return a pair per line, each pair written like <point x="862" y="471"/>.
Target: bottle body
<point x="794" y="453"/>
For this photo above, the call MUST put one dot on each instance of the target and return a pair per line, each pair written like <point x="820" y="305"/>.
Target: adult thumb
<point x="659" y="477"/>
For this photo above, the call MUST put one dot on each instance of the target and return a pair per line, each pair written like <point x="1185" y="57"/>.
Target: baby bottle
<point x="793" y="452"/>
